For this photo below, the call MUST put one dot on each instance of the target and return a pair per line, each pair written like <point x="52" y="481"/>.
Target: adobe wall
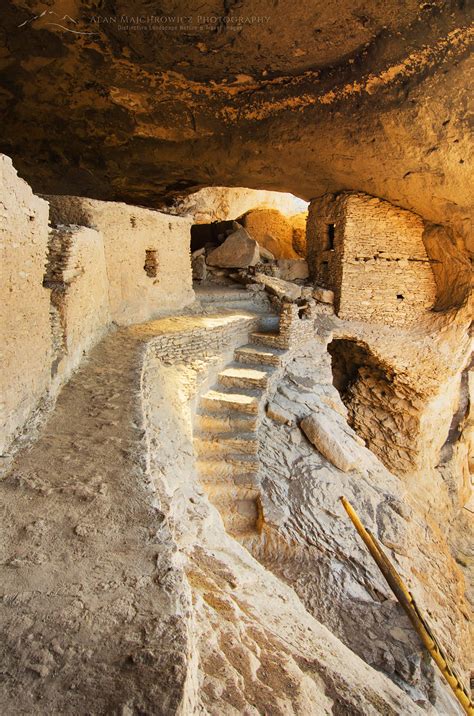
<point x="76" y="275"/>
<point x="373" y="258"/>
<point x="61" y="288"/>
<point x="25" y="330"/>
<point x="141" y="285"/>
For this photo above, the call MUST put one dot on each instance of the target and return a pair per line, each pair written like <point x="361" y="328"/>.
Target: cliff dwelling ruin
<point x="236" y="287"/>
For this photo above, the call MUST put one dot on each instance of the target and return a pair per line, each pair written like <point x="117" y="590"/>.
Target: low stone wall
<point x="147" y="255"/>
<point x="26" y="343"/>
<point x="193" y="337"/>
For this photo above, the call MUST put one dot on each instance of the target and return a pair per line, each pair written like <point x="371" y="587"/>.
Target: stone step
<point x="218" y="401"/>
<point x="225" y="443"/>
<point x="238" y="376"/>
<point x="256" y="355"/>
<point x="220" y="469"/>
<point x="229" y="422"/>
<point x="267" y="338"/>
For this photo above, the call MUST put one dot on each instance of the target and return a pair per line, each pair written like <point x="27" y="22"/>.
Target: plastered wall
<point x="25" y="353"/>
<point x="76" y="275"/>
<point x="129" y="232"/>
<point x="62" y="287"/>
<point x="372" y="255"/>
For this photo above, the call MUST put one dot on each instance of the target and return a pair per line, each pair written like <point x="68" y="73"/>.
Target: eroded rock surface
<point x="368" y="99"/>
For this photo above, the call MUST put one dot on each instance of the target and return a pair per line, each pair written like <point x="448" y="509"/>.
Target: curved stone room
<point x="237" y="383"/>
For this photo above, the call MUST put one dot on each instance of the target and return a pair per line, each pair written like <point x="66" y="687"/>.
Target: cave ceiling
<point x="111" y="100"/>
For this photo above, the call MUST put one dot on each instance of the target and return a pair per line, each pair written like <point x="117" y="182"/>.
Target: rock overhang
<point x="313" y="100"/>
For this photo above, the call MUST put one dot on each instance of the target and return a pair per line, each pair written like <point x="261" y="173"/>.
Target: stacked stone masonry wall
<point x="185" y="341"/>
<point x="376" y="262"/>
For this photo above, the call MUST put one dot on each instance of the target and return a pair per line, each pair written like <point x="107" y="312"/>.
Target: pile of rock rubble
<point x="240" y="258"/>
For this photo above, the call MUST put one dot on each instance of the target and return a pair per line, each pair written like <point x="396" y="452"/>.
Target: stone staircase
<point x="226" y="439"/>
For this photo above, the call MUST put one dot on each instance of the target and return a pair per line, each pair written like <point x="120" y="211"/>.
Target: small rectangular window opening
<point x="151" y="263"/>
<point x="330" y="234"/>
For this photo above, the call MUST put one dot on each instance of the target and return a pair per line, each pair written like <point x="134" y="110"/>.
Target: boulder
<point x="323" y="295"/>
<point x="298" y="222"/>
<point x="330" y="441"/>
<point x="272" y="230"/>
<point x="292" y="269"/>
<point x="266" y="254"/>
<point x="278" y="287"/>
<point x="199" y="268"/>
<point x="239" y="250"/>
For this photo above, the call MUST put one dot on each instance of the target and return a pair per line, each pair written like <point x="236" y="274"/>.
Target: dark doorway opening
<point x="210" y="235"/>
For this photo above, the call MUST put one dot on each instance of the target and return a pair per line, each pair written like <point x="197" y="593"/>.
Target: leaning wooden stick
<point x="408" y="603"/>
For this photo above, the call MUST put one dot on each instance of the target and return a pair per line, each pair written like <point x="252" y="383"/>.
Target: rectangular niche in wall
<point x="151" y="263"/>
<point x="329" y="238"/>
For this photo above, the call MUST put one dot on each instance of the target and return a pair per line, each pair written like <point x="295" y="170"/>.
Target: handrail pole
<point x="409" y="605"/>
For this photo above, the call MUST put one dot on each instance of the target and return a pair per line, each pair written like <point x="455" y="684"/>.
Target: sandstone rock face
<point x="330" y="442"/>
<point x="273" y="231"/>
<point x="301" y="490"/>
<point x="239" y="250"/>
<point x="298" y="221"/>
<point x="266" y="254"/>
<point x="451" y="267"/>
<point x="223" y="203"/>
<point x="136" y="149"/>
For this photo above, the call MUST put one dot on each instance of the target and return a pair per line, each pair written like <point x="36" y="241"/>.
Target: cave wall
<point x="451" y="267"/>
<point x="372" y="255"/>
<point x="147" y="255"/>
<point x="26" y="344"/>
<point x="276" y="233"/>
<point x="226" y="203"/>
